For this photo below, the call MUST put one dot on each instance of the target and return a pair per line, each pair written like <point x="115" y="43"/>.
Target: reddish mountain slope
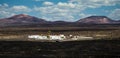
<point x="22" y="18"/>
<point x="96" y="19"/>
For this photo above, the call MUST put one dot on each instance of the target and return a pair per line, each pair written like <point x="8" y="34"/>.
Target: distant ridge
<point x="96" y="20"/>
<point x="23" y="20"/>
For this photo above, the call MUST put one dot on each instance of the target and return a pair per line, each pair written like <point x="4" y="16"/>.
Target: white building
<point x="38" y="37"/>
<point x="57" y="37"/>
<point x="82" y="38"/>
<point x="49" y="37"/>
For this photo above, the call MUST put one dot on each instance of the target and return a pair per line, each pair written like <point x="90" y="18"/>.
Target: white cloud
<point x="5" y="14"/>
<point x="72" y="10"/>
<point x="21" y="9"/>
<point x="46" y="3"/>
<point x="71" y="5"/>
<point x="67" y="11"/>
<point x="60" y="11"/>
<point x="96" y="3"/>
<point x="6" y="5"/>
<point x="3" y="6"/>
<point x="5" y="11"/>
<point x="115" y="15"/>
<point x="83" y="15"/>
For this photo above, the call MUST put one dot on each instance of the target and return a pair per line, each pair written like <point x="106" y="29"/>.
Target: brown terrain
<point x="15" y="44"/>
<point x="22" y="25"/>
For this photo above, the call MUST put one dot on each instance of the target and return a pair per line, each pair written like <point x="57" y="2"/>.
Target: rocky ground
<point x="71" y="49"/>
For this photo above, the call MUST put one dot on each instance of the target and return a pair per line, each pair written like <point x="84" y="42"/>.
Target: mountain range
<point x="23" y="19"/>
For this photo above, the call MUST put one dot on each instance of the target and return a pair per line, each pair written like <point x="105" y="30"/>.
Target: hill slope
<point x="96" y="20"/>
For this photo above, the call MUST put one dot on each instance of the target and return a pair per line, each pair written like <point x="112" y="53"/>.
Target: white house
<point x="57" y="37"/>
<point x="37" y="37"/>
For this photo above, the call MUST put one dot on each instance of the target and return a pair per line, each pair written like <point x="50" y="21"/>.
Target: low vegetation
<point x="23" y="33"/>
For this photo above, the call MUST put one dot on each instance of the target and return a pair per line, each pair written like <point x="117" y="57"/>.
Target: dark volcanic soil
<point x="75" y="49"/>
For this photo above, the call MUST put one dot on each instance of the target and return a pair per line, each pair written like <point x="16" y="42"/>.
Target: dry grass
<point x="96" y="33"/>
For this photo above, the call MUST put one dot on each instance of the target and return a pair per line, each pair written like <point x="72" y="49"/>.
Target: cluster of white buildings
<point x="49" y="37"/>
<point x="58" y="37"/>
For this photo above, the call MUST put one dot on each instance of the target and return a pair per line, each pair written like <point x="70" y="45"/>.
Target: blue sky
<point x="66" y="10"/>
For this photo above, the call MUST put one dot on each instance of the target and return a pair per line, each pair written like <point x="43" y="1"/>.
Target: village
<point x="60" y="37"/>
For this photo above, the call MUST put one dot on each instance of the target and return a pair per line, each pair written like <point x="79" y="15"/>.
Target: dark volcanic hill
<point x="22" y="18"/>
<point x="96" y="20"/>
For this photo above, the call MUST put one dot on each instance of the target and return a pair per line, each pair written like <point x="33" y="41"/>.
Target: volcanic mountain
<point x="22" y="18"/>
<point x="96" y="20"/>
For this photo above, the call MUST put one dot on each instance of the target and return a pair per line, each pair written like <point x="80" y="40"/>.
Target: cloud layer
<point x="71" y="10"/>
<point x="115" y="14"/>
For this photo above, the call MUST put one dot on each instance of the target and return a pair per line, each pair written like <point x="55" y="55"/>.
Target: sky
<point x="61" y="10"/>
